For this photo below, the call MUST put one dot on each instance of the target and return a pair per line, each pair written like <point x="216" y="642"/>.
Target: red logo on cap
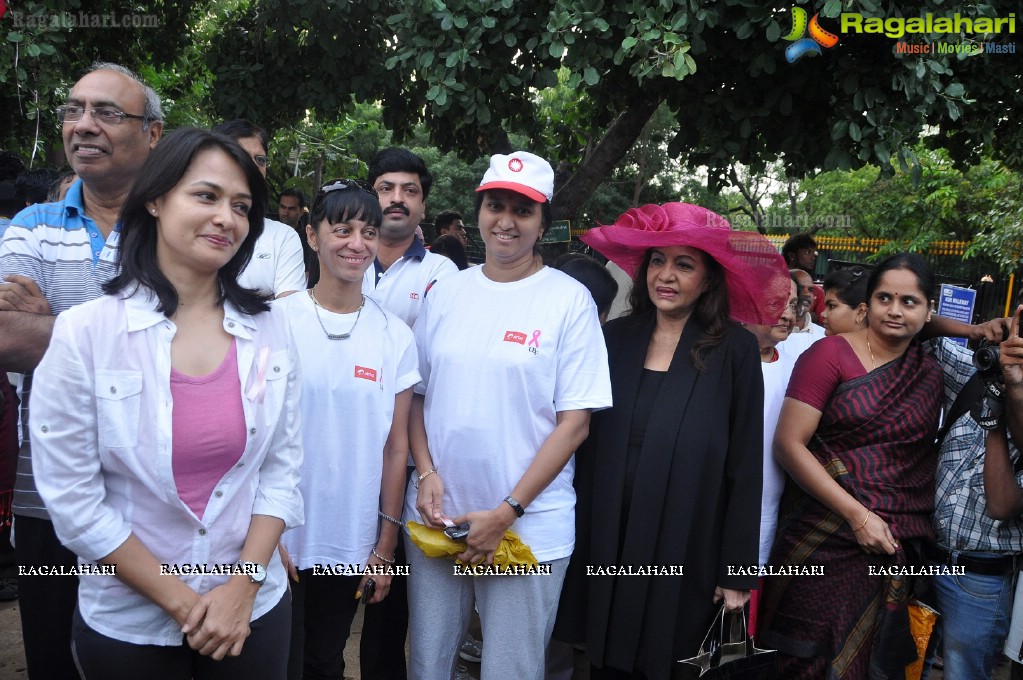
<point x="515" y="165"/>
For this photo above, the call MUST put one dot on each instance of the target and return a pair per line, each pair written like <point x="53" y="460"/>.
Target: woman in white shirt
<point x="514" y="350"/>
<point x="359" y="364"/>
<point x="165" y="432"/>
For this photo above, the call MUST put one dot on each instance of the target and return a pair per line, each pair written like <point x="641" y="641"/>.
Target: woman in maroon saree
<point x="856" y="436"/>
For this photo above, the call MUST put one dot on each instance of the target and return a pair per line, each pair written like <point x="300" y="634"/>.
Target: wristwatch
<point x="519" y="512"/>
<point x="254" y="570"/>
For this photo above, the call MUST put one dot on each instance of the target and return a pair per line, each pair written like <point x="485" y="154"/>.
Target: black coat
<point x="696" y="501"/>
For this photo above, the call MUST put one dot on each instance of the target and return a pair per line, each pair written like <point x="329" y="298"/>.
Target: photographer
<point x="974" y="605"/>
<point x="1003" y="478"/>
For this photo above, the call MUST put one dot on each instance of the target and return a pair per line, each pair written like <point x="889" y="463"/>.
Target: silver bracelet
<point x="389" y="518"/>
<point x="381" y="557"/>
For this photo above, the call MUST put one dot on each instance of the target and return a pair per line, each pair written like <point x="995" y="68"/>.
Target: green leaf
<point x="33" y="50"/>
<point x="773" y="32"/>
<point x="629" y="43"/>
<point x="489" y="22"/>
<point x="591" y="76"/>
<point x="15" y="37"/>
<point x="955" y="90"/>
<point x="854" y="131"/>
<point x="882" y="153"/>
<point x="509" y="39"/>
<point x="442" y="98"/>
<point x="427" y="59"/>
<point x="556" y="49"/>
<point x="451" y="60"/>
<point x="461" y="22"/>
<point x="832" y="8"/>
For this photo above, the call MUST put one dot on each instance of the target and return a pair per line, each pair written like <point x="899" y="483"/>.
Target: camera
<point x="985" y="360"/>
<point x="989" y="408"/>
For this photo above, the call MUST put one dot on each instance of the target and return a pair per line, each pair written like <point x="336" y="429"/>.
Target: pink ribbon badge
<point x="535" y="342"/>
<point x="258" y="388"/>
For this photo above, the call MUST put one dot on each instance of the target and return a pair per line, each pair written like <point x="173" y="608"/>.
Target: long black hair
<point x="712" y="310"/>
<point x="163" y="169"/>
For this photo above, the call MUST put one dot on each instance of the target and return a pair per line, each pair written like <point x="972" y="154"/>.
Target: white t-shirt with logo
<point x="277" y="264"/>
<point x="406" y="283"/>
<point x="498" y="362"/>
<point x="348" y="389"/>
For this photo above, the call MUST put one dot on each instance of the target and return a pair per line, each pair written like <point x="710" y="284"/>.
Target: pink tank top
<point x="208" y="430"/>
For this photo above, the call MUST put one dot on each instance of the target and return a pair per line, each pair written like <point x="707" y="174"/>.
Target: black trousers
<point x="264" y="655"/>
<point x="321" y="621"/>
<point x="385" y="627"/>
<point x="46" y="603"/>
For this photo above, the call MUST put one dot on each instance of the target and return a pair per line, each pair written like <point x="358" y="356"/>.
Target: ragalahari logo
<point x="3" y="8"/>
<point x="807" y="46"/>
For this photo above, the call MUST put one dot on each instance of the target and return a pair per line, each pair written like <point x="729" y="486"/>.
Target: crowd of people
<point x="231" y="459"/>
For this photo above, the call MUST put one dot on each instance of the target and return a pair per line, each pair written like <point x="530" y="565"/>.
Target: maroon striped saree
<point x="875" y="438"/>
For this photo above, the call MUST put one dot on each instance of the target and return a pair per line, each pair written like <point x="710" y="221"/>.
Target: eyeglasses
<point x="104" y="114"/>
<point x="343" y="184"/>
<point x="261" y="161"/>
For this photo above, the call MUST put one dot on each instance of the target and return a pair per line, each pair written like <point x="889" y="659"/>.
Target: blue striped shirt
<point x="63" y="250"/>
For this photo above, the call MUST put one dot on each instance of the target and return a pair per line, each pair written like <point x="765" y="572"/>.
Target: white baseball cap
<point x="521" y="172"/>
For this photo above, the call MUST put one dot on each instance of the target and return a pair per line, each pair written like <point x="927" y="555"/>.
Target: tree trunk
<point x="620" y="137"/>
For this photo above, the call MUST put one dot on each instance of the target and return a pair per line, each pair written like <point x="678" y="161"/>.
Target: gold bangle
<point x="864" y="522"/>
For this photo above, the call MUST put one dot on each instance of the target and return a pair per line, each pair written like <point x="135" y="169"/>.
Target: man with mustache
<point x="52" y="257"/>
<point x="404" y="269"/>
<point x="399" y="279"/>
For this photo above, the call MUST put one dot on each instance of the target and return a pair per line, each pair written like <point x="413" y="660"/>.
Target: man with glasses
<point x="277" y="267"/>
<point x="52" y="257"/>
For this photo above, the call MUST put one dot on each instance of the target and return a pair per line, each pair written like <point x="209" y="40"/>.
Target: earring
<point x="153" y="210"/>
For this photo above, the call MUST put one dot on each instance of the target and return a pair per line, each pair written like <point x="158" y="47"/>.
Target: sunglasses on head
<point x="343" y="184"/>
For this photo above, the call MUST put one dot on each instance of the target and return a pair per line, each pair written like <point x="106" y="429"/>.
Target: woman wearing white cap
<point x="515" y="348"/>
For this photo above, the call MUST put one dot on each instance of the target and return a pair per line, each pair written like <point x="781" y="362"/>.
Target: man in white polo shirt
<point x="399" y="279"/>
<point x="404" y="269"/>
<point x="277" y="266"/>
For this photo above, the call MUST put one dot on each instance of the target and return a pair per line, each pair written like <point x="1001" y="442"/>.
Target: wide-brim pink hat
<point x="755" y="272"/>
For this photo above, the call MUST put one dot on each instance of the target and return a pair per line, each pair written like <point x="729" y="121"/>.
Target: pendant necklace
<point x="336" y="336"/>
<point x="873" y="363"/>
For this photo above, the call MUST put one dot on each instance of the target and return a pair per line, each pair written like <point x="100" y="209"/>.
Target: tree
<point x="469" y="69"/>
<point x="46" y="46"/>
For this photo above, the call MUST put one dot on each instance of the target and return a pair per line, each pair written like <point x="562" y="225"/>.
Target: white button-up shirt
<point x="102" y="449"/>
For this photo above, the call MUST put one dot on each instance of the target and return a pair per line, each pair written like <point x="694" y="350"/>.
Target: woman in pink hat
<point x="669" y="480"/>
<point x="514" y="348"/>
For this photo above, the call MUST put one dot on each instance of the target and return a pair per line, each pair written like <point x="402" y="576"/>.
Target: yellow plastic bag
<point x="921" y="624"/>
<point x="435" y="543"/>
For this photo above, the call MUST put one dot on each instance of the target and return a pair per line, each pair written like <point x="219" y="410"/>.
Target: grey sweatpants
<point x="516" y="612"/>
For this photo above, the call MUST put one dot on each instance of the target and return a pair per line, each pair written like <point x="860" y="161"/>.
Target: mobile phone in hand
<point x="368" y="590"/>
<point x="457" y="532"/>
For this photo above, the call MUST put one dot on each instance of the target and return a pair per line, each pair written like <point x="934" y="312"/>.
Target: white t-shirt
<point x="276" y="265"/>
<point x="403" y="287"/>
<point x="776" y="381"/>
<point x="499" y="361"/>
<point x="347" y="403"/>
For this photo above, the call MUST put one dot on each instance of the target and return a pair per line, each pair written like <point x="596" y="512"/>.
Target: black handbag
<point x="719" y="659"/>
